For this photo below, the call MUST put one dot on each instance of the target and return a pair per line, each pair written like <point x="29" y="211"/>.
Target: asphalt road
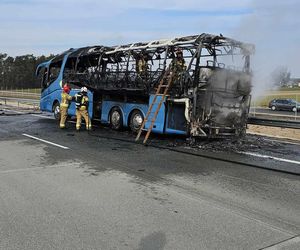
<point x="87" y="191"/>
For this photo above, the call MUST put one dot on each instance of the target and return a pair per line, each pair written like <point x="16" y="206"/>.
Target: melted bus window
<point x="54" y="70"/>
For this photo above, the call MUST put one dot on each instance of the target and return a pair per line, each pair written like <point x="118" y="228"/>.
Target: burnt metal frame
<point x="194" y="48"/>
<point x="190" y="43"/>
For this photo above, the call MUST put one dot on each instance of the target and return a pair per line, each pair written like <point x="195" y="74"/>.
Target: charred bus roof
<point x="204" y="40"/>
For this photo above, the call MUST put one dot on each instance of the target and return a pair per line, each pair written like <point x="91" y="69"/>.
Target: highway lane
<point x="276" y="113"/>
<point x="98" y="193"/>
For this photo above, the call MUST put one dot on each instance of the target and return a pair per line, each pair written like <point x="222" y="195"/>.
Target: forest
<point x="19" y="72"/>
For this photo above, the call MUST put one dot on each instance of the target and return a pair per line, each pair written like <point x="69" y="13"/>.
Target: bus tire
<point x="116" y="119"/>
<point x="135" y="121"/>
<point x="56" y="110"/>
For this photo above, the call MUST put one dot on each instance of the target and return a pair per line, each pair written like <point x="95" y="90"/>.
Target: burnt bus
<point x="209" y="97"/>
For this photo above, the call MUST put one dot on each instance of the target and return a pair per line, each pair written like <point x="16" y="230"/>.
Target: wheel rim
<point x="137" y="121"/>
<point x="273" y="108"/>
<point x="294" y="109"/>
<point x="115" y="118"/>
<point x="56" y="110"/>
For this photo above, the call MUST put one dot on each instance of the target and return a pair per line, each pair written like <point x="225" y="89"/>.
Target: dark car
<point x="284" y="104"/>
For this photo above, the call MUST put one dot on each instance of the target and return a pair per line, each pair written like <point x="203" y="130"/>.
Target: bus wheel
<point x="115" y="119"/>
<point x="56" y="111"/>
<point x="136" y="120"/>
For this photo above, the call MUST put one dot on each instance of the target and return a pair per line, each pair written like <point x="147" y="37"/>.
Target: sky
<point x="52" y="26"/>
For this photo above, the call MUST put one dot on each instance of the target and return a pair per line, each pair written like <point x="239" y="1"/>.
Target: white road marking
<point x="26" y="169"/>
<point x="51" y="143"/>
<point x="270" y="157"/>
<point x="285" y="244"/>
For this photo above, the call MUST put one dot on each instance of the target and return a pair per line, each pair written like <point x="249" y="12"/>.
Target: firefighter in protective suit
<point x="82" y="102"/>
<point x="177" y="65"/>
<point x="141" y="65"/>
<point x="64" y="105"/>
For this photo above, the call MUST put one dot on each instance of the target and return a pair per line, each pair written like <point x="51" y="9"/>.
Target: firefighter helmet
<point x="66" y="88"/>
<point x="83" y="90"/>
<point x="179" y="51"/>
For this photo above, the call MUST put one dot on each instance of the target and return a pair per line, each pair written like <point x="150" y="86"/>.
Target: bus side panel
<point x="49" y="96"/>
<point x="126" y="109"/>
<point x="159" y="123"/>
<point x="43" y="104"/>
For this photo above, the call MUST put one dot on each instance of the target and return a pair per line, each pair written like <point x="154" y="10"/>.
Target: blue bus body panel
<point x="158" y="126"/>
<point x="174" y="132"/>
<point x="126" y="109"/>
<point x="48" y="101"/>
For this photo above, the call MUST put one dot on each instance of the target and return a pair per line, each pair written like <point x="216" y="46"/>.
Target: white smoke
<point x="274" y="29"/>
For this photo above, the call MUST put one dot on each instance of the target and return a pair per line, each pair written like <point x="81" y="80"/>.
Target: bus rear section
<point x="220" y="103"/>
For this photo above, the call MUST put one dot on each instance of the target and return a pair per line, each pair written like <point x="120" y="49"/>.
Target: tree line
<point x="19" y="72"/>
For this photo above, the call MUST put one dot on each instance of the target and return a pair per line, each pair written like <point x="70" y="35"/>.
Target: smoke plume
<point x="273" y="27"/>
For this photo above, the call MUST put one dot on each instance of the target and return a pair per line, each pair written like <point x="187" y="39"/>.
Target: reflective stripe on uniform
<point x="64" y="105"/>
<point x="65" y="99"/>
<point x="84" y="102"/>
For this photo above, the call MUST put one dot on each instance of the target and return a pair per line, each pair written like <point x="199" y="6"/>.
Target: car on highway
<point x="284" y="104"/>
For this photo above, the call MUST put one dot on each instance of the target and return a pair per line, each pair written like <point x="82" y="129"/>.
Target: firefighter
<point x="64" y="105"/>
<point x="141" y="65"/>
<point x="178" y="64"/>
<point x="82" y="102"/>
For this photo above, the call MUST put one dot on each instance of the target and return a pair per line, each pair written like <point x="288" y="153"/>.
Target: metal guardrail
<point x="20" y="94"/>
<point x="19" y="101"/>
<point x="274" y="123"/>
